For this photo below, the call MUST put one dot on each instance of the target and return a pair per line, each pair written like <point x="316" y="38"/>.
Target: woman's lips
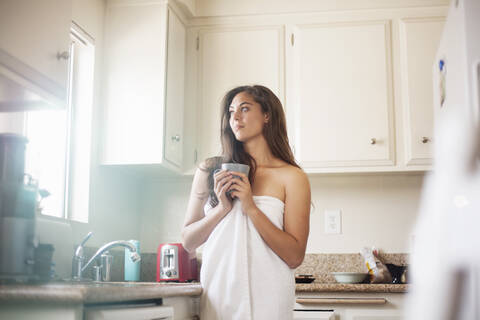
<point x="236" y="128"/>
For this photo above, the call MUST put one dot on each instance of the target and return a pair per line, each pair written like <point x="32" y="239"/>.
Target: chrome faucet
<point x="106" y="258"/>
<point x="78" y="258"/>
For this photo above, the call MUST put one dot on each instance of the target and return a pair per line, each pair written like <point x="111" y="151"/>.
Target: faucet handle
<point x="79" y="250"/>
<point x="86" y="238"/>
<point x="77" y="261"/>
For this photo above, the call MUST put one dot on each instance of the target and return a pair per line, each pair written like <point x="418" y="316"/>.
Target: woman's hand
<point x="222" y="180"/>
<point x="242" y="190"/>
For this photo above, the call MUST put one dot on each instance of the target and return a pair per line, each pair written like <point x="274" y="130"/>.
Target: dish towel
<point x="242" y="278"/>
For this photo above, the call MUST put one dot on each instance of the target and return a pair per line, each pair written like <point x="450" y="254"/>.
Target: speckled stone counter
<point x="360" y="287"/>
<point x="321" y="266"/>
<point x="95" y="292"/>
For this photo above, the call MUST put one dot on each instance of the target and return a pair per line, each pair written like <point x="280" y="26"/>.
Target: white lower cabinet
<point x="372" y="314"/>
<point x="313" y="315"/>
<point x="172" y="308"/>
<point x="350" y="306"/>
<point x="185" y="308"/>
<point x="41" y="311"/>
<point x="119" y="312"/>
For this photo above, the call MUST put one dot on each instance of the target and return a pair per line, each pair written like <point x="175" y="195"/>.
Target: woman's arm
<point x="289" y="244"/>
<point x="198" y="227"/>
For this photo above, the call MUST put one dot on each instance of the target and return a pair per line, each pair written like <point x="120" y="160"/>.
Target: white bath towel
<point x="242" y="278"/>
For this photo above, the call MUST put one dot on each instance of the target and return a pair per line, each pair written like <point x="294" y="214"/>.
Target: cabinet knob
<point x="65" y="55"/>
<point x="176" y="138"/>
<point x="373" y="141"/>
<point x="425" y="139"/>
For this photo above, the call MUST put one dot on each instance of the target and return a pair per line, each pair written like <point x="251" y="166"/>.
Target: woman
<point x="253" y="242"/>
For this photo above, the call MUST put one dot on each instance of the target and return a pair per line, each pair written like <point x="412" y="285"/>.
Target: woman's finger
<point x="241" y="175"/>
<point x="226" y="187"/>
<point x="239" y="181"/>
<point x="218" y="173"/>
<point x="224" y="181"/>
<point x="221" y="176"/>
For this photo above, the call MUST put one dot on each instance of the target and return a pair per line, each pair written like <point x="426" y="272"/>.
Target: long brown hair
<point x="274" y="131"/>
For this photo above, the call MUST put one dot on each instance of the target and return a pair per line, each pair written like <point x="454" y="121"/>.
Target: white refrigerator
<point x="445" y="261"/>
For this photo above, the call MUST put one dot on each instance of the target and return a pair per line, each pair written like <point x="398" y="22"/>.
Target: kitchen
<point x="160" y="69"/>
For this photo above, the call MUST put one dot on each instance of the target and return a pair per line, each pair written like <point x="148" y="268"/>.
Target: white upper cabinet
<point x="419" y="40"/>
<point x="175" y="96"/>
<point x="230" y="57"/>
<point x="34" y="53"/>
<point x="144" y="86"/>
<point x="343" y="104"/>
<point x="356" y="85"/>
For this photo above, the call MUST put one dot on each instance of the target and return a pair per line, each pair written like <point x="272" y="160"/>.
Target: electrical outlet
<point x="333" y="221"/>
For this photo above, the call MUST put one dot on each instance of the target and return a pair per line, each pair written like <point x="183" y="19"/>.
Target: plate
<point x="349" y="277"/>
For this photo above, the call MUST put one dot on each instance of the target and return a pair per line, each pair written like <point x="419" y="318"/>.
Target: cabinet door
<point x="419" y="40"/>
<point x="343" y="109"/>
<point x="32" y="33"/>
<point x="176" y="41"/>
<point x="372" y="314"/>
<point x="134" y="86"/>
<point x="231" y="57"/>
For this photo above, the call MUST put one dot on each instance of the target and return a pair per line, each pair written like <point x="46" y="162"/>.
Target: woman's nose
<point x="236" y="114"/>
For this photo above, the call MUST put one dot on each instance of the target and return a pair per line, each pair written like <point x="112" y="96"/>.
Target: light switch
<point x="333" y="221"/>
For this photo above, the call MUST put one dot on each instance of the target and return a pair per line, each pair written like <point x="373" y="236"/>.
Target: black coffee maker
<point x="17" y="210"/>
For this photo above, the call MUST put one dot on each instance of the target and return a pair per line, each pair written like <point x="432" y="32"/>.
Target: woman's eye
<point x="244" y="109"/>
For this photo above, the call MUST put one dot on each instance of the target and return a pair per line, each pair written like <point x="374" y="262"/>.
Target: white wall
<point x="114" y="195"/>
<point x="376" y="210"/>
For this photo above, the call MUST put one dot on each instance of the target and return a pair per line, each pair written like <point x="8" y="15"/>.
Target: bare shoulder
<point x="292" y="173"/>
<point x="295" y="180"/>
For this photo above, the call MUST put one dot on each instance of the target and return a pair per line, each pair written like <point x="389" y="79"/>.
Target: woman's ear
<point x="267" y="117"/>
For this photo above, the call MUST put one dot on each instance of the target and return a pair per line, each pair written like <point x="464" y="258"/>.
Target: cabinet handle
<point x="176" y="138"/>
<point x="373" y="141"/>
<point x="65" y="55"/>
<point x="425" y="139"/>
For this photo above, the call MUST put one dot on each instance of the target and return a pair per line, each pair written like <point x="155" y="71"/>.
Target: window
<point x="59" y="148"/>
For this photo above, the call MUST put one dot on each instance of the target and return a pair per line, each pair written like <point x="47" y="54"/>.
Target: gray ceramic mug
<point x="237" y="167"/>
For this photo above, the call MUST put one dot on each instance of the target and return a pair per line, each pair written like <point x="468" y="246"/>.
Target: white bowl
<point x="349" y="277"/>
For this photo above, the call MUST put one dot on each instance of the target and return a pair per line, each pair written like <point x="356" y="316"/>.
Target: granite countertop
<point x="59" y="292"/>
<point x="354" y="287"/>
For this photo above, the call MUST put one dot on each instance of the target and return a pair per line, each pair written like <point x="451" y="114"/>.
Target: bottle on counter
<point x="132" y="269"/>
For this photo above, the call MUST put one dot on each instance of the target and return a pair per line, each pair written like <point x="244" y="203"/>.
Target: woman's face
<point x="246" y="117"/>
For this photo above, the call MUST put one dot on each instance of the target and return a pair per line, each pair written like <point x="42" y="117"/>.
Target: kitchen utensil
<point x="17" y="210"/>
<point x="349" y="277"/>
<point x="304" y="278"/>
<point x="43" y="260"/>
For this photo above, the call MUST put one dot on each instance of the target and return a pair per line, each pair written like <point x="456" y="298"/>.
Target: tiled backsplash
<point x="148" y="267"/>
